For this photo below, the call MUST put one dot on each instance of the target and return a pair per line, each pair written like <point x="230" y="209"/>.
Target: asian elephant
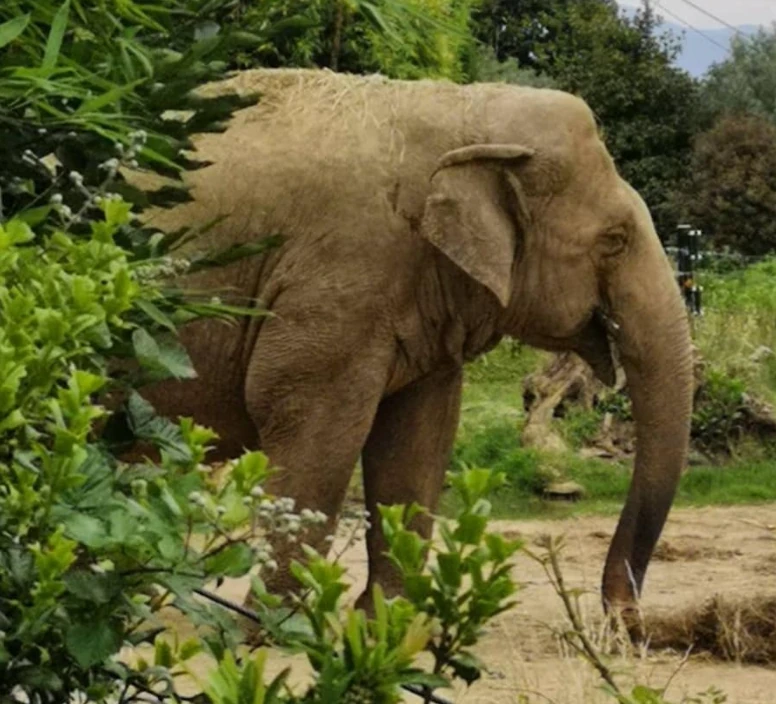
<point x="420" y="223"/>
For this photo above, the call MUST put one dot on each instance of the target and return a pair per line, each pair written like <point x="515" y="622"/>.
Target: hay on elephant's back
<point x="739" y="630"/>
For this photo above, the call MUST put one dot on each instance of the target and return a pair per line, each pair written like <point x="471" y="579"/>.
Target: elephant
<point x="421" y="222"/>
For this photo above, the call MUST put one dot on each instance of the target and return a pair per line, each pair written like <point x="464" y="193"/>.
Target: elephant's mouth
<point x="593" y="341"/>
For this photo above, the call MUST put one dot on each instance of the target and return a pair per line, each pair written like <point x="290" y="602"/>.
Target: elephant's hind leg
<point x="405" y="460"/>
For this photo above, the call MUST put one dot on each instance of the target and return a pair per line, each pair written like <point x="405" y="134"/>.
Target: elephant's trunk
<point x="656" y="350"/>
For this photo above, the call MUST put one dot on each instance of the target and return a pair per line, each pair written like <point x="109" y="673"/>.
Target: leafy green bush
<point x="356" y="658"/>
<point x="580" y="425"/>
<point x="718" y="411"/>
<point x="84" y="542"/>
<point x="398" y="38"/>
<point x="77" y="79"/>
<point x="497" y="447"/>
<point x="91" y="550"/>
<point x="730" y="192"/>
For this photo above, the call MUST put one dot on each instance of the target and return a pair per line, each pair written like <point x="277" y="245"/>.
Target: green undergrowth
<point x="735" y="336"/>
<point x="737" y="332"/>
<point x="605" y="483"/>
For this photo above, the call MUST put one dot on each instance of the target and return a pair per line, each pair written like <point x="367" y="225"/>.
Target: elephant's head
<point x="540" y="217"/>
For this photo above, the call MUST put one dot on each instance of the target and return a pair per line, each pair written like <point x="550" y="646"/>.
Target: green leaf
<point x="166" y="358"/>
<point x="450" y="572"/>
<point x="93" y="588"/>
<point x="470" y="528"/>
<point x="147" y="425"/>
<point x="33" y="216"/>
<point x="56" y="35"/>
<point x="92" y="642"/>
<point x="153" y="312"/>
<point x="12" y="29"/>
<point x="39" y="678"/>
<point x="234" y="561"/>
<point x="235" y="253"/>
<point x="83" y="528"/>
<point x="117" y="212"/>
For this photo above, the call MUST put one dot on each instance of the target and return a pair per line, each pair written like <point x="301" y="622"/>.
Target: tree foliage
<point x="745" y="83"/>
<point x="398" y="38"/>
<point x="731" y="193"/>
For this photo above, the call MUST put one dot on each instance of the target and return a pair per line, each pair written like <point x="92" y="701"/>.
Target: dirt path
<point x="729" y="551"/>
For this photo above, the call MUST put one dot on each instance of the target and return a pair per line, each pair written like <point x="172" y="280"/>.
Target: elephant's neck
<point x="471" y="312"/>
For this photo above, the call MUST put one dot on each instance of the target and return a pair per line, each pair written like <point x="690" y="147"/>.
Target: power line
<point x="714" y="17"/>
<point x="687" y="24"/>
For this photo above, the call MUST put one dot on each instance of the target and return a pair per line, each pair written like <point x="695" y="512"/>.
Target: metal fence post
<point x="688" y="256"/>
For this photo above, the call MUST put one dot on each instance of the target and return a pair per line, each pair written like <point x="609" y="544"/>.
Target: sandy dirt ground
<point x="703" y="552"/>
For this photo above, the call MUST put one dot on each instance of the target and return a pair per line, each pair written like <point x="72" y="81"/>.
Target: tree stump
<point x="548" y="394"/>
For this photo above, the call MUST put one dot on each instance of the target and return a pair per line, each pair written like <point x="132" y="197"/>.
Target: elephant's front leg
<point x="312" y="418"/>
<point x="405" y="459"/>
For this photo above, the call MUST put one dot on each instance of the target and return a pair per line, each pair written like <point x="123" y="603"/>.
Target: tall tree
<point x="745" y="83"/>
<point x="732" y="191"/>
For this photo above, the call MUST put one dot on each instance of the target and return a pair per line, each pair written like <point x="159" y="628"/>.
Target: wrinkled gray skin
<point x="423" y="222"/>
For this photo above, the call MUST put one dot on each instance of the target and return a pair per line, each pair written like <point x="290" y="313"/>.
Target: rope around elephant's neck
<point x="418" y="691"/>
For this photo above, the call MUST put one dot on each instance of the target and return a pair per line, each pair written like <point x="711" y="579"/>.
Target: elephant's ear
<point x="474" y="211"/>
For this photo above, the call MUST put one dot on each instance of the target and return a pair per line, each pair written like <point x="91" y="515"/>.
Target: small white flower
<point x="220" y="510"/>
<point x="271" y="565"/>
<point x="257" y="492"/>
<point x="76" y="178"/>
<point x="56" y="199"/>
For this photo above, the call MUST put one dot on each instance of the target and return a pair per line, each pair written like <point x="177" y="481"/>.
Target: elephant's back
<point x="337" y="160"/>
<point x="319" y="147"/>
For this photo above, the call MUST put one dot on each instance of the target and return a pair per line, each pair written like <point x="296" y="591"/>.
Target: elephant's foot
<point x="627" y="616"/>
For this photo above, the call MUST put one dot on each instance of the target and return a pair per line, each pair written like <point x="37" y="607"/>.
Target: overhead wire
<point x="663" y="8"/>
<point x="714" y="17"/>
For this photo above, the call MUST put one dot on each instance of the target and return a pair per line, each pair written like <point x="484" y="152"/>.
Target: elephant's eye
<point x="612" y="243"/>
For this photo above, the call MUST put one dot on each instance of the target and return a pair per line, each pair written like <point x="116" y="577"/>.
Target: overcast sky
<point x="735" y="12"/>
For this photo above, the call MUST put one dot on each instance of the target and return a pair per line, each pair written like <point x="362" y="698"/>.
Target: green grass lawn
<point x="489" y="436"/>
